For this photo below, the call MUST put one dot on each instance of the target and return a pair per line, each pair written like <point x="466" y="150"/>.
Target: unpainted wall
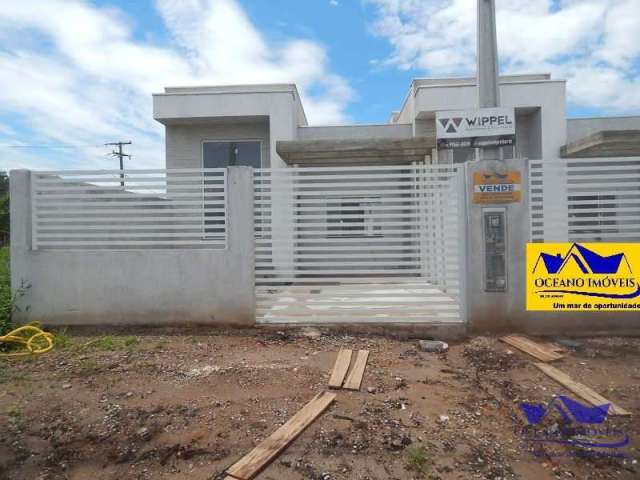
<point x="148" y="287"/>
<point x="184" y="140"/>
<point x="506" y="311"/>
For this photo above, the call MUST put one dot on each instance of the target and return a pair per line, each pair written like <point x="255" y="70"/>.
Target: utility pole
<point x="488" y="83"/>
<point x="487" y="69"/>
<point x="121" y="156"/>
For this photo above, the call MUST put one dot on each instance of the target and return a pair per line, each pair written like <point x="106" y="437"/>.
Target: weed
<point x="418" y="459"/>
<point x="110" y="342"/>
<point x="15" y="416"/>
<point x="6" y="306"/>
<point x="63" y="341"/>
<point x="87" y="366"/>
<point x="130" y="341"/>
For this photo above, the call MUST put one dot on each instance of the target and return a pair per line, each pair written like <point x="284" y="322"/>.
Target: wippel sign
<point x="486" y="127"/>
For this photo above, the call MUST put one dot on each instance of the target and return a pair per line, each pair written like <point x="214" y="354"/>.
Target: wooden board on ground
<point x="252" y="463"/>
<point x="354" y="380"/>
<point x="543" y="351"/>
<point x="340" y="368"/>
<point x="584" y="392"/>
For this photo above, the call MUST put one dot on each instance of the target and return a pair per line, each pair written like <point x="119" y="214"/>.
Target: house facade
<point x="265" y="126"/>
<point x="259" y="218"/>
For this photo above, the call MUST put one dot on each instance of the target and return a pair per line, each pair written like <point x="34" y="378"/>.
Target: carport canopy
<point x="606" y="143"/>
<point x="355" y="152"/>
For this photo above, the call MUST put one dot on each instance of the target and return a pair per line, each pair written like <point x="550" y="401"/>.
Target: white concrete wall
<point x="154" y="287"/>
<point x="280" y="104"/>
<point x="548" y="96"/>
<point x="506" y="311"/>
<point x="184" y="140"/>
<point x="355" y="132"/>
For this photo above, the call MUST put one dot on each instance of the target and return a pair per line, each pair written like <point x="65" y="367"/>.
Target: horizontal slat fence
<point x="358" y="244"/>
<point x="131" y="209"/>
<point x="585" y="200"/>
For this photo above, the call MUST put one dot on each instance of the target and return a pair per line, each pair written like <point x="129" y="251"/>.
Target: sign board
<point x="583" y="277"/>
<point x="485" y="127"/>
<point x="496" y="187"/>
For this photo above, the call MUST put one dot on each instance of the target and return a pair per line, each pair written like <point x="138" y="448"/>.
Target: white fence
<point x="585" y="199"/>
<point x="359" y="244"/>
<point x="131" y="209"/>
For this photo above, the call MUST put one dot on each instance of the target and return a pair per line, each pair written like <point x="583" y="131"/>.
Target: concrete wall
<point x="184" y="140"/>
<point x="539" y="103"/>
<point x="355" y="132"/>
<point x="506" y="311"/>
<point x="578" y="128"/>
<point x="279" y="103"/>
<point x="137" y="287"/>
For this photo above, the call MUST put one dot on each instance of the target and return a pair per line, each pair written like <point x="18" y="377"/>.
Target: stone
<point x="66" y="386"/>
<point x="433" y="346"/>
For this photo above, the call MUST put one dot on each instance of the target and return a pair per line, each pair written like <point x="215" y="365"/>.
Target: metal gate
<point x="585" y="200"/>
<point x="360" y="244"/>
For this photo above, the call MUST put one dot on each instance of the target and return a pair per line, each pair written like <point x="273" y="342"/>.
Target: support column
<point x="241" y="241"/>
<point x="20" y="241"/>
<point x="488" y="88"/>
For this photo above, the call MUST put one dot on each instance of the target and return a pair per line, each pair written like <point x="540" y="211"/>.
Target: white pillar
<point x="488" y="88"/>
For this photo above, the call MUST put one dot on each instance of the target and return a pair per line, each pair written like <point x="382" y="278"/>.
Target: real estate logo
<point x="583" y="276"/>
<point x="566" y="422"/>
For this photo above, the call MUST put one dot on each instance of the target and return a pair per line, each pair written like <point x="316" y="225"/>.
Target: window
<point x="230" y="154"/>
<point x="222" y="155"/>
<point x="353" y="218"/>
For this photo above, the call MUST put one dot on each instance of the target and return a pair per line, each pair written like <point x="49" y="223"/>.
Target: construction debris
<point x="543" y="351"/>
<point x="433" y="346"/>
<point x="581" y="390"/>
<point x="258" y="458"/>
<point x="354" y="380"/>
<point x="340" y="368"/>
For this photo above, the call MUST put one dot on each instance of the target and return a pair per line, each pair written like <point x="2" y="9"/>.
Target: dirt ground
<point x="177" y="405"/>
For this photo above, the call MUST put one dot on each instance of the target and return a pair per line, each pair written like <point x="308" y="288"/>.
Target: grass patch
<point x="63" y="341"/>
<point x="15" y="416"/>
<point x="6" y="305"/>
<point x="87" y="366"/>
<point x="418" y="459"/>
<point x="110" y="342"/>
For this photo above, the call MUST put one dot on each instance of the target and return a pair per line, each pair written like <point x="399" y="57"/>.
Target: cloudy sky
<point x="75" y="74"/>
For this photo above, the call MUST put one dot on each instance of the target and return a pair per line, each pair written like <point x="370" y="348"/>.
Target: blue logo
<point x="587" y="261"/>
<point x="579" y="426"/>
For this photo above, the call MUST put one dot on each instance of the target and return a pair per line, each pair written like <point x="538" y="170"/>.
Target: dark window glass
<point x="230" y="154"/>
<point x="353" y="224"/>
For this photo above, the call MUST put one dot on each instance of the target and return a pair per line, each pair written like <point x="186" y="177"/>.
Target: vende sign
<point x="486" y="127"/>
<point x="497" y="187"/>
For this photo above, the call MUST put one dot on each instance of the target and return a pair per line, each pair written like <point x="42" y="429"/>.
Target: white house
<point x="265" y="126"/>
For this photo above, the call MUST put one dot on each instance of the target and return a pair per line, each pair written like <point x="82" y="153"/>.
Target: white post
<point x="488" y="89"/>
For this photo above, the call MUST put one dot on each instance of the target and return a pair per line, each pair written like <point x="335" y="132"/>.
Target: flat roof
<point x="605" y="143"/>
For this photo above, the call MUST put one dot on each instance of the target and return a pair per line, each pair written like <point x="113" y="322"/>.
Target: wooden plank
<point x="354" y="380"/>
<point x="251" y="464"/>
<point x="343" y="360"/>
<point x="543" y="351"/>
<point x="584" y="392"/>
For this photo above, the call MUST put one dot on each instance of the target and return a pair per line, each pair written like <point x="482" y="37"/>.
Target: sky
<point x="75" y="74"/>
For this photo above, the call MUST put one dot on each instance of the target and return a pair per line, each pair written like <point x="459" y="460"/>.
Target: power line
<point x="121" y="156"/>
<point x="50" y="146"/>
